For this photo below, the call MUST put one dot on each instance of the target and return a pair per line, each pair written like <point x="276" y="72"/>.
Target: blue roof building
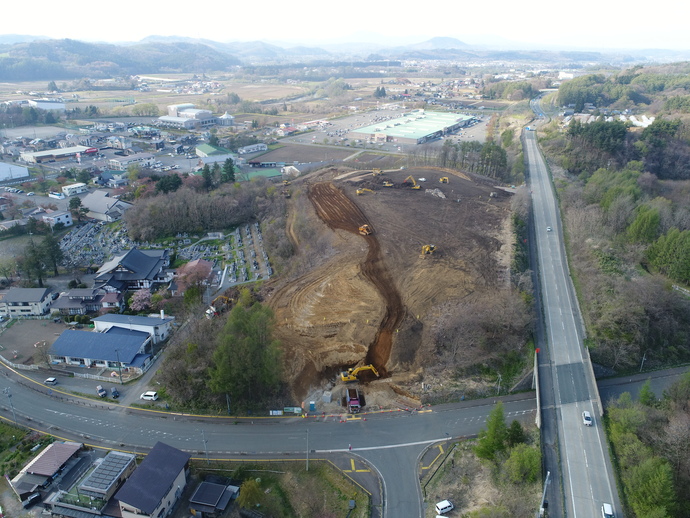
<point x="118" y="348"/>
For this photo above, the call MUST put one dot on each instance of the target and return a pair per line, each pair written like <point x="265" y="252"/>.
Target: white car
<point x="151" y="395"/>
<point x="51" y="381"/>
<point x="587" y="418"/>
<point x="443" y="507"/>
<point x="549" y="229"/>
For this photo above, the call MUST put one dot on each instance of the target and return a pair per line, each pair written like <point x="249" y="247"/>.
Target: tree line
<point x="651" y="441"/>
<point x="194" y="211"/>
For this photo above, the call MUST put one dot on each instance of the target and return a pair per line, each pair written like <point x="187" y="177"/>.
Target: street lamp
<point x="7" y="392"/>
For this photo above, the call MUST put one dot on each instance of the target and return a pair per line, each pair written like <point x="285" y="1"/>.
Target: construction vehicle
<point x="443" y="179"/>
<point x="365" y="230"/>
<point x="363" y="190"/>
<point x="352" y="401"/>
<point x="220" y="302"/>
<point x="428" y="249"/>
<point x="376" y="172"/>
<point x="286" y="182"/>
<point x="351" y="373"/>
<point x="285" y="193"/>
<point x="387" y="183"/>
<point x="411" y="181"/>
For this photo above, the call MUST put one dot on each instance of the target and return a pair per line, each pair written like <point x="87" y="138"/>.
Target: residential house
<point x="44" y="468"/>
<point x="133" y="270"/>
<point x="104" y="208"/>
<point x="25" y="302"/>
<point x="55" y="217"/>
<point x="87" y="300"/>
<point x="156" y="485"/>
<point x="157" y="328"/>
<point x="117" y="348"/>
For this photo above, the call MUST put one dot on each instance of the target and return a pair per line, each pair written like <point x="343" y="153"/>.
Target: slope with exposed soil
<point x="369" y="298"/>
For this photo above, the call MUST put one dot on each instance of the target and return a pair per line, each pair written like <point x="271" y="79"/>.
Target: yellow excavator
<point x="428" y="249"/>
<point x="375" y="172"/>
<point x="351" y="373"/>
<point x="411" y="181"/>
<point x="363" y="190"/>
<point x="387" y="183"/>
<point x="443" y="179"/>
<point x="365" y="230"/>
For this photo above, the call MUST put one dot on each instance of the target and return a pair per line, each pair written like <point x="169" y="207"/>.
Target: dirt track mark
<point x="339" y="212"/>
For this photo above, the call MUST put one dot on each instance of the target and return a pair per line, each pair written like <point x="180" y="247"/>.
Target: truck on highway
<point x="353" y="404"/>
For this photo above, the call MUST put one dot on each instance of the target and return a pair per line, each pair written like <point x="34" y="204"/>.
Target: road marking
<point x="353" y="468"/>
<point x="385" y="447"/>
<point x="440" y="452"/>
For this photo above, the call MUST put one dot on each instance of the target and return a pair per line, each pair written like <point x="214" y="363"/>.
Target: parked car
<point x="443" y="507"/>
<point x="101" y="391"/>
<point x="51" y="381"/>
<point x="114" y="393"/>
<point x="151" y="395"/>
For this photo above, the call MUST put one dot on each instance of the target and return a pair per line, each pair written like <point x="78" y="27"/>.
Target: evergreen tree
<point x="228" y="173"/>
<point x="492" y="441"/>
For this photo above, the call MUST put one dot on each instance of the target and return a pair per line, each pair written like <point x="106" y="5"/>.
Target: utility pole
<point x="7" y="392"/>
<point x="119" y="365"/>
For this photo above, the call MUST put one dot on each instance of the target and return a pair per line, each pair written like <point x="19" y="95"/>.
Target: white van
<point x="149" y="396"/>
<point x="607" y="511"/>
<point x="444" y="507"/>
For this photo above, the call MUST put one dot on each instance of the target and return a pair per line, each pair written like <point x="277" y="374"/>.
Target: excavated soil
<point x="372" y="299"/>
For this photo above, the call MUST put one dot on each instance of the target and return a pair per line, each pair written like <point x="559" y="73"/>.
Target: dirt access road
<point x="339" y="212"/>
<point x="375" y="299"/>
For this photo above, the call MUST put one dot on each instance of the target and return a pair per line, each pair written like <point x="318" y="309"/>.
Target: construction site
<point x="386" y="253"/>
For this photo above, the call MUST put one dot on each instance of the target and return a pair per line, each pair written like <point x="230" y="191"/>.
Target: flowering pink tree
<point x="141" y="300"/>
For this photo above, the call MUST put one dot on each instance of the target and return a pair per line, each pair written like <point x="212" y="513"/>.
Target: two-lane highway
<point x="586" y="475"/>
<point x="391" y="441"/>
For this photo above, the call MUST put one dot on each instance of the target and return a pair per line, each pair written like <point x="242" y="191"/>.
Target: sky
<point x="543" y="24"/>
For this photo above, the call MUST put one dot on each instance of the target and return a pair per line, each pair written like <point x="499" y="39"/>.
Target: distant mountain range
<point x="31" y="58"/>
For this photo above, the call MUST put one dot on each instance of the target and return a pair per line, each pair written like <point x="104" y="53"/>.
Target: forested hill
<point x="68" y="59"/>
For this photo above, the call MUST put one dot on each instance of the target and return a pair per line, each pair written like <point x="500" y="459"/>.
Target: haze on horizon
<point x="540" y="24"/>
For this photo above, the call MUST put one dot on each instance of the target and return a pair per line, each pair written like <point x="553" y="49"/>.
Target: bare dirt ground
<point x="374" y="299"/>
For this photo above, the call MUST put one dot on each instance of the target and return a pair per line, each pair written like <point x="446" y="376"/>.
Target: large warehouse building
<point x="415" y="127"/>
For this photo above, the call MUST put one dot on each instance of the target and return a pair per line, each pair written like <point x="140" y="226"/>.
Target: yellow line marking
<point x="440" y="452"/>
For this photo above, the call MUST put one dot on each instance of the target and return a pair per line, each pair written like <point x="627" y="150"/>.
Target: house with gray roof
<point x="104" y="208"/>
<point x="117" y="348"/>
<point x="87" y="300"/>
<point x="134" y="270"/>
<point x="25" y="302"/>
<point x="157" y="328"/>
<point x="156" y="485"/>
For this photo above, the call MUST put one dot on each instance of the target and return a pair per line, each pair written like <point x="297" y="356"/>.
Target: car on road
<point x="51" y="381"/>
<point x="101" y="391"/>
<point x="587" y="418"/>
<point x="607" y="511"/>
<point x="114" y="393"/>
<point x="30" y="194"/>
<point x="549" y="229"/>
<point x="151" y="395"/>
